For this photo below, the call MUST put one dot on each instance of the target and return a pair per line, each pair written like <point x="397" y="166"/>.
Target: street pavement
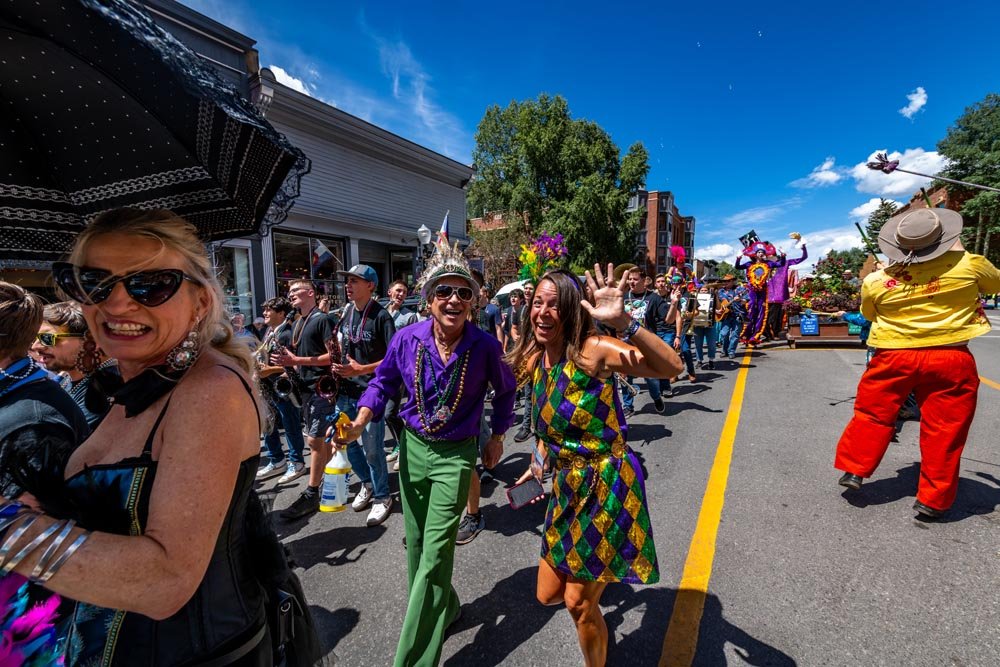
<point x="803" y="574"/>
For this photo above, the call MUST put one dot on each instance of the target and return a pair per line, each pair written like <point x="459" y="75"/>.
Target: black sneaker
<point x="658" y="404"/>
<point x="306" y="504"/>
<point x="486" y="476"/>
<point x="629" y="411"/>
<point x="851" y="481"/>
<point x="472" y="525"/>
<point x="711" y="365"/>
<point x="522" y="434"/>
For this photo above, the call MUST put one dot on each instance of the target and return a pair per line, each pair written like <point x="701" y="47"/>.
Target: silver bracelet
<point x="43" y="562"/>
<point x="31" y="546"/>
<point x="15" y="537"/>
<point x="77" y="543"/>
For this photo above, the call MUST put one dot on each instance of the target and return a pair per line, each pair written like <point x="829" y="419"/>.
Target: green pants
<point x="434" y="485"/>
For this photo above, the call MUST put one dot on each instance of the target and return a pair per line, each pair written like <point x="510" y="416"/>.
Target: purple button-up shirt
<point x="777" y="284"/>
<point x="486" y="369"/>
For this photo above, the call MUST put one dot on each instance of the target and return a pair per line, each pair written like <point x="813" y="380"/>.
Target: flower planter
<point x="833" y="332"/>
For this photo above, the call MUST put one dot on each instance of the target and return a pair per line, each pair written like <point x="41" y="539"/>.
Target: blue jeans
<point x="367" y="459"/>
<point x="687" y="341"/>
<point x="729" y="334"/>
<point x="290" y="418"/>
<point x="704" y="335"/>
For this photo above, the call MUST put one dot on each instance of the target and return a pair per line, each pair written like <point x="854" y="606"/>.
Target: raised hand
<point x="608" y="298"/>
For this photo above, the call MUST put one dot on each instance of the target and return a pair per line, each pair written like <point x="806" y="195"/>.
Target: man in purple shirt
<point x="447" y="365"/>
<point x="777" y="293"/>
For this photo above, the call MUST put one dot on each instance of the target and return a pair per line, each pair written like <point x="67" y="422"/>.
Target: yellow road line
<point x="681" y="640"/>
<point x="989" y="383"/>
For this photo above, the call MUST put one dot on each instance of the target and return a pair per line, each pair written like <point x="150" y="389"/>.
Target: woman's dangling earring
<point x="184" y="355"/>
<point x="88" y="359"/>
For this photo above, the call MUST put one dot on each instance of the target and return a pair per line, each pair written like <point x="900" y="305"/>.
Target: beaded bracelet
<point x="630" y="330"/>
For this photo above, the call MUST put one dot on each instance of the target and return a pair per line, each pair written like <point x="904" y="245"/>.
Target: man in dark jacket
<point x="40" y="424"/>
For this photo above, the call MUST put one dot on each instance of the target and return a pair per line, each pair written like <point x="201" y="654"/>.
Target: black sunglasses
<point x="445" y="292"/>
<point x="92" y="286"/>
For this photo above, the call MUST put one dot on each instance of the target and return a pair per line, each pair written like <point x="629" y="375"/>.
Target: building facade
<point x="365" y="197"/>
<point x="662" y="227"/>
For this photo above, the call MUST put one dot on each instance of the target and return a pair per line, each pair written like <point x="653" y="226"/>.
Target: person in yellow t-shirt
<point x="924" y="308"/>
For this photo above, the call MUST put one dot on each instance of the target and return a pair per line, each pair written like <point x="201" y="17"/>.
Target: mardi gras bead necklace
<point x="442" y="412"/>
<point x="354" y="335"/>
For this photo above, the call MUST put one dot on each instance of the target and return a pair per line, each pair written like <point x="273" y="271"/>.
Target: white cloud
<point x="723" y="252"/>
<point x="433" y="125"/>
<point x="821" y="241"/>
<point x="862" y="211"/>
<point x="823" y="175"/>
<point x="918" y="98"/>
<point x="759" y="214"/>
<point x="286" y="79"/>
<point x="897" y="183"/>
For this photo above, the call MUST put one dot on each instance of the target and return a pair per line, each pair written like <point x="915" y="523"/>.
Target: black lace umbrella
<point x="102" y="109"/>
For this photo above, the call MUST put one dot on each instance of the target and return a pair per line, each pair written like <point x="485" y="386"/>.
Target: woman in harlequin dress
<point x="597" y="528"/>
<point x="758" y="271"/>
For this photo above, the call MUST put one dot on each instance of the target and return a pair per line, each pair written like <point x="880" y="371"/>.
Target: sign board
<point x="808" y="325"/>
<point x="853" y="329"/>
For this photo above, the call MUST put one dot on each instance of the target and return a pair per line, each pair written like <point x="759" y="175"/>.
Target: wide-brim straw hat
<point x="919" y="236"/>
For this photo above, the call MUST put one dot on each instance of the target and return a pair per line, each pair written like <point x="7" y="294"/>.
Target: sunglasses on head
<point x="92" y="286"/>
<point x="445" y="292"/>
<point x="49" y="339"/>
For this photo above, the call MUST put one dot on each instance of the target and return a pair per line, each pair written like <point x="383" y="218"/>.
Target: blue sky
<point x="755" y="114"/>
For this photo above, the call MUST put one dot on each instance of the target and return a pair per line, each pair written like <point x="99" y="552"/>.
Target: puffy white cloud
<point x="862" y="211"/>
<point x="820" y="242"/>
<point x="723" y="252"/>
<point x="918" y="98"/>
<point x="823" y="175"/>
<point x="897" y="183"/>
<point x="286" y="79"/>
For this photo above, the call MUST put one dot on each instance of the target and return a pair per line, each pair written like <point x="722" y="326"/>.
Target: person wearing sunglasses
<point x="63" y="345"/>
<point x="38" y="420"/>
<point x="160" y="559"/>
<point x="447" y="365"/>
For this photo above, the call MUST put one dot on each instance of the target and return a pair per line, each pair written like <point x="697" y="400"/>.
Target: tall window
<point x="233" y="267"/>
<point x="313" y="258"/>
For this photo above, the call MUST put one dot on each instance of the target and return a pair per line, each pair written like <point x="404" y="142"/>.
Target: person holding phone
<point x="447" y="364"/>
<point x="598" y="497"/>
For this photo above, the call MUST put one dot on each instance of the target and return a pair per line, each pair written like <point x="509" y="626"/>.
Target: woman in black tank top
<point x="160" y="492"/>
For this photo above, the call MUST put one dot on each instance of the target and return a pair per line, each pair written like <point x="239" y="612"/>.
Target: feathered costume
<point x="681" y="273"/>
<point x="758" y="272"/>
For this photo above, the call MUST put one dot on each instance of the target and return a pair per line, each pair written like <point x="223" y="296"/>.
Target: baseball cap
<point x="362" y="271"/>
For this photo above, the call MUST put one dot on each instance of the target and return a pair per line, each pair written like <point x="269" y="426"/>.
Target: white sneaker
<point x="363" y="499"/>
<point x="380" y="512"/>
<point x="293" y="472"/>
<point x="272" y="469"/>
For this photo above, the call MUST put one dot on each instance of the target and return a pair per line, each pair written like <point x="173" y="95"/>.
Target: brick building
<point x="662" y="227"/>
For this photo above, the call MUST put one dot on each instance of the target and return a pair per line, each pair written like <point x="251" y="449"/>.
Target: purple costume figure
<point x="758" y="271"/>
<point x="777" y="294"/>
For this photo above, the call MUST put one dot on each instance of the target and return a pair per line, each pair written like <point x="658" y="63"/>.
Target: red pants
<point x="946" y="384"/>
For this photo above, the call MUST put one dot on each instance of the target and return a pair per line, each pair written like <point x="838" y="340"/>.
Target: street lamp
<point x="423" y="240"/>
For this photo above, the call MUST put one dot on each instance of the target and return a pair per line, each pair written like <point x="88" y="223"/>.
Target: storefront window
<point x="312" y="258"/>
<point x="233" y="266"/>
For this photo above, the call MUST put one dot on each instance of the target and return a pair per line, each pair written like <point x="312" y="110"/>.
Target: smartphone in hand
<point x="523" y="493"/>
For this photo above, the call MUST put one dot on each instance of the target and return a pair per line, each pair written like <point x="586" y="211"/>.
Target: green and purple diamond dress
<point x="597" y="525"/>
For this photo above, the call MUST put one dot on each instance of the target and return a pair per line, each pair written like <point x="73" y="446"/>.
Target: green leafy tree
<point x="972" y="145"/>
<point x="499" y="247"/>
<point x="560" y="175"/>
<point x="724" y="269"/>
<point x="834" y="265"/>
<point x="878" y="218"/>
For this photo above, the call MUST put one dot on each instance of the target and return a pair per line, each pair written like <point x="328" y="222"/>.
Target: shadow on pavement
<point x="509" y="615"/>
<point x="644" y="645"/>
<point x="332" y="626"/>
<point x="334" y="546"/>
<point x="975" y="498"/>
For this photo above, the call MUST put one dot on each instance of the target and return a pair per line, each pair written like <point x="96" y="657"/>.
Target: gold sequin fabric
<point x="597" y="525"/>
